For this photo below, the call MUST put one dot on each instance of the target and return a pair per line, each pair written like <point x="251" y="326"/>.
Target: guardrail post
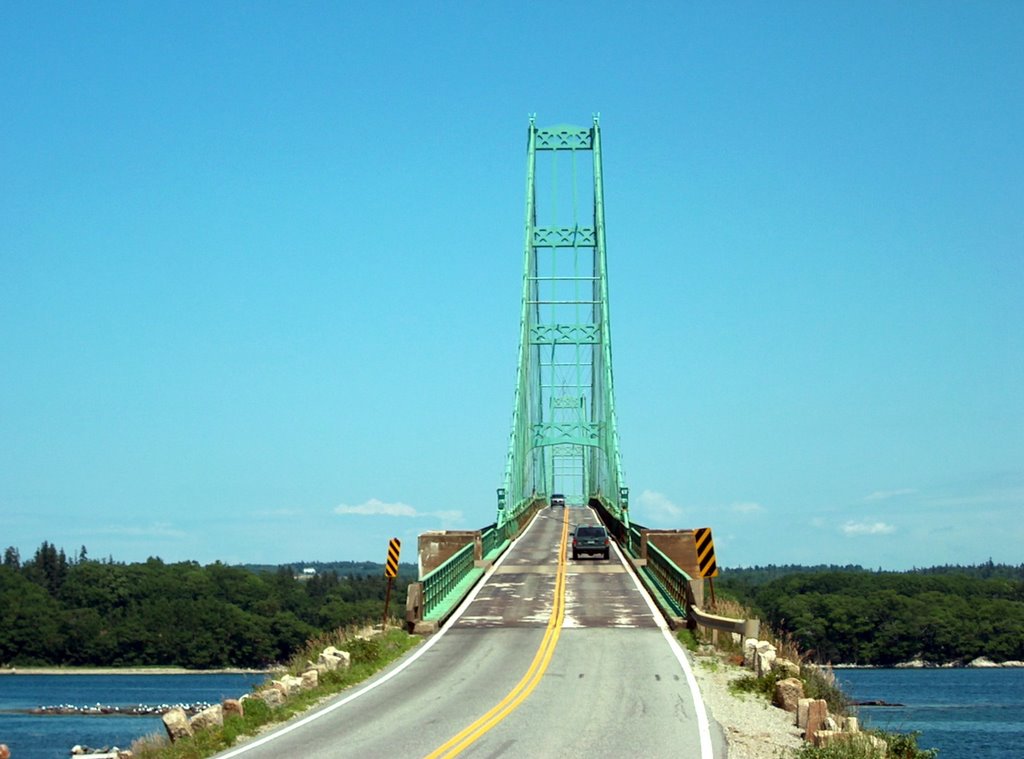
<point x="751" y="628"/>
<point x="478" y="552"/>
<point x="414" y="605"/>
<point x="697" y="590"/>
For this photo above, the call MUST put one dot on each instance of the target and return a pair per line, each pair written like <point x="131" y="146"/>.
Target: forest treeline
<point x="852" y="615"/>
<point x="56" y="610"/>
<point x="343" y="568"/>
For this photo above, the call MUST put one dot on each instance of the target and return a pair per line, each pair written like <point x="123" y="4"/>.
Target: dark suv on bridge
<point x="557" y="499"/>
<point x="590" y="538"/>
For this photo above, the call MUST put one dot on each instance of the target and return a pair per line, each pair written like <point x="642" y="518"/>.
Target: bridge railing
<point x="672" y="581"/>
<point x="516" y="515"/>
<point x="669" y="583"/>
<point x="633" y="540"/>
<point x="495" y="539"/>
<point x="445" y="580"/>
<point x="436" y="595"/>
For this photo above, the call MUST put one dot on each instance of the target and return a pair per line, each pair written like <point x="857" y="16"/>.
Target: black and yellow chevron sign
<point x="705" y="552"/>
<point x="394" y="548"/>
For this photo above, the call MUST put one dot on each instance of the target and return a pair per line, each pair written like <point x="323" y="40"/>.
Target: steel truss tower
<point x="564" y="437"/>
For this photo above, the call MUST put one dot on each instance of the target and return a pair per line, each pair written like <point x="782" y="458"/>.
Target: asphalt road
<point x="614" y="683"/>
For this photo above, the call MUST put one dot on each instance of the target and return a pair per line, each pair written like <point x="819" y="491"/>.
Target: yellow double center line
<point x="538" y="666"/>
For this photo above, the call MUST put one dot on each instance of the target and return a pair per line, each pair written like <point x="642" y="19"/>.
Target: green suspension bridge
<point x="564" y="437"/>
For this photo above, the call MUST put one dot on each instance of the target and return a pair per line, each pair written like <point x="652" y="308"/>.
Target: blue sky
<point x="260" y="270"/>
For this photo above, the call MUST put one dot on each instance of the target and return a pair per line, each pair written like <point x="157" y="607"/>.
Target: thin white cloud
<point x="447" y="516"/>
<point x="157" y="529"/>
<point x="852" y="528"/>
<point x="273" y="513"/>
<point x="657" y="505"/>
<point x="884" y="495"/>
<point x="996" y="497"/>
<point x="378" y="508"/>
<point x="747" y="507"/>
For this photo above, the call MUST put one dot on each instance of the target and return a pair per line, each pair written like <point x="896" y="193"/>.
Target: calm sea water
<point x="965" y="713"/>
<point x="962" y="712"/>
<point x="49" y="737"/>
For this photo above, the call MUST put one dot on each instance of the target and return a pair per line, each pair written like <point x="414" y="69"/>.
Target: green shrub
<point x="688" y="638"/>
<point x="762" y="686"/>
<point x="365" y="650"/>
<point x="840" y="750"/>
<point x="904" y="746"/>
<point x="821" y="683"/>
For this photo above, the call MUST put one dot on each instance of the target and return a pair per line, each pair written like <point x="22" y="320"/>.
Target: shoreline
<point x="14" y="671"/>
<point x="979" y="663"/>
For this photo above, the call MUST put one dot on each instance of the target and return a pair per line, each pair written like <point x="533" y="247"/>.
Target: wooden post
<point x="387" y="604"/>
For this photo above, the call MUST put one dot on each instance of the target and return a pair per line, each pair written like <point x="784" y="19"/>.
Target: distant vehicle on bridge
<point x="557" y="499"/>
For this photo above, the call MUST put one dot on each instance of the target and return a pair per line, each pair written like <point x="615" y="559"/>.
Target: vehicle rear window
<point x="590" y="532"/>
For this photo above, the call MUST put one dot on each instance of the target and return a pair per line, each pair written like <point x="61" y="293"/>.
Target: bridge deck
<point x="598" y="593"/>
<point x="614" y="687"/>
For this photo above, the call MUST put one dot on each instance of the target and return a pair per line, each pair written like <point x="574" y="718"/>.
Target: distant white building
<point x="308" y="573"/>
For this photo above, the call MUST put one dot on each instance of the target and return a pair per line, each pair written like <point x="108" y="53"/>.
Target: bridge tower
<point x="564" y="437"/>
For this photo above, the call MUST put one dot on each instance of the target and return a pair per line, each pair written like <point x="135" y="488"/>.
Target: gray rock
<point x="982" y="662"/>
<point x="749" y="647"/>
<point x="176" y="724"/>
<point x="802" y="707"/>
<point x="912" y="664"/>
<point x="272" y="697"/>
<point x="764" y="657"/>
<point x="333" y="658"/>
<point x="817" y="712"/>
<point x="788" y="693"/>
<point x="212" y="716"/>
<point x="786" y="667"/>
<point x="829" y="737"/>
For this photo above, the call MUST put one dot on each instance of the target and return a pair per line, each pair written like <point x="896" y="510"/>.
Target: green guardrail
<point x="672" y="582"/>
<point x="513" y="516"/>
<point x="494" y="541"/>
<point x="661" y="575"/>
<point x="633" y="541"/>
<point x="445" y="586"/>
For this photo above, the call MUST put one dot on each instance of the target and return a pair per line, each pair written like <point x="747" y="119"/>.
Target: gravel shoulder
<point x="754" y="729"/>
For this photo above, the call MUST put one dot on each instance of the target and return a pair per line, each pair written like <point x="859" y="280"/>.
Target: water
<point x="52" y="736"/>
<point x="964" y="713"/>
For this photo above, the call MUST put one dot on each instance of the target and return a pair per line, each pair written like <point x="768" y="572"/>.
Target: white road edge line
<point x="418" y="653"/>
<point x="703" y="726"/>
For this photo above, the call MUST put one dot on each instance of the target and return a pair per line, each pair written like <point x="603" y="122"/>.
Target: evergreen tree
<point x="12" y="559"/>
